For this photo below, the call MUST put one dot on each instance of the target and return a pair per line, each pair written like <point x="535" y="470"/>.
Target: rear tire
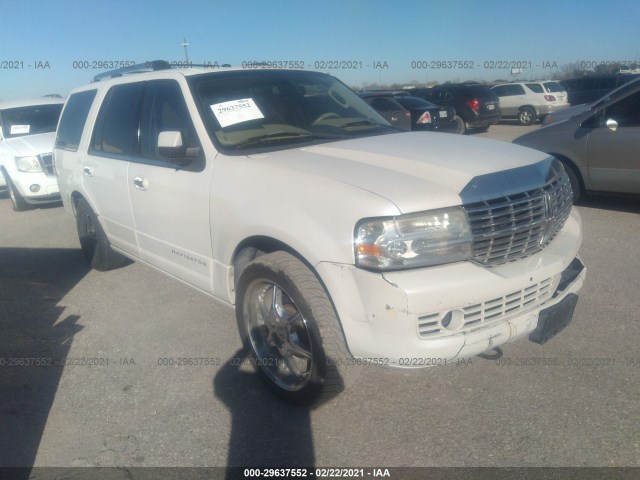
<point x="460" y="126"/>
<point x="95" y="245"/>
<point x="527" y="116"/>
<point x="288" y="324"/>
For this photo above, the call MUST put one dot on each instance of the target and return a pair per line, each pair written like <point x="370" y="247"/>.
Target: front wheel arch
<point x="575" y="177"/>
<point x="325" y="342"/>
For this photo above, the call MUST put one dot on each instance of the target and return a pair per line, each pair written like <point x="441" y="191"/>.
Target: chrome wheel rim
<point x="525" y="117"/>
<point x="279" y="335"/>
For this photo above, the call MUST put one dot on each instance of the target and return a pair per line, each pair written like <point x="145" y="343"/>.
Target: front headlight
<point x="413" y="240"/>
<point x="28" y="164"/>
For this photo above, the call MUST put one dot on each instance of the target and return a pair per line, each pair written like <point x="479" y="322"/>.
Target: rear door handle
<point x="88" y="171"/>
<point x="140" y="183"/>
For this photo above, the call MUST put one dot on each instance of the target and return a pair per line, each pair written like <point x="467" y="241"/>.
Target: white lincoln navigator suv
<point x="337" y="239"/>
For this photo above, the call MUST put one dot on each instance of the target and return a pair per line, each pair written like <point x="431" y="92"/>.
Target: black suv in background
<point x="592" y="87"/>
<point x="477" y="106"/>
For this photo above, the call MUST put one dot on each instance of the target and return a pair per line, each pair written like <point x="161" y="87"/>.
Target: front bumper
<point x="432" y="315"/>
<point x="48" y="187"/>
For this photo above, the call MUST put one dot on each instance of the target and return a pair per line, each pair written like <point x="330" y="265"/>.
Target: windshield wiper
<point x="362" y="123"/>
<point x="283" y="135"/>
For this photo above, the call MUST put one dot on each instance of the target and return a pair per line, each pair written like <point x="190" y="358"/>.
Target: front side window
<point x="73" y="120"/>
<point x="118" y="123"/>
<point x="165" y="111"/>
<point x="250" y="110"/>
<point x="30" y="120"/>
<point x="626" y="112"/>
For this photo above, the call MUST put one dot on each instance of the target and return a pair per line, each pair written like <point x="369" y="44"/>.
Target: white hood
<point x="31" y="145"/>
<point x="415" y="170"/>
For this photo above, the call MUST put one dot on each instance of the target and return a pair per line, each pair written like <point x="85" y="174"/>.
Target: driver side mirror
<point x="611" y="124"/>
<point x="170" y="146"/>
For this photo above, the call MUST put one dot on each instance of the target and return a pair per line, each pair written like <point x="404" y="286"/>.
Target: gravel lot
<point x="107" y="399"/>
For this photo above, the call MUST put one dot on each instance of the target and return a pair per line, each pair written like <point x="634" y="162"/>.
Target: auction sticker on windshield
<point x="236" y="111"/>
<point x="20" y="129"/>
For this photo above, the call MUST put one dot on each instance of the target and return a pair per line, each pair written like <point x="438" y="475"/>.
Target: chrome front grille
<point x="518" y="225"/>
<point x="46" y="162"/>
<point x="439" y="324"/>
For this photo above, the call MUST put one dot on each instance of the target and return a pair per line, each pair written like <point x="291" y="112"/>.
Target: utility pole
<point x="186" y="50"/>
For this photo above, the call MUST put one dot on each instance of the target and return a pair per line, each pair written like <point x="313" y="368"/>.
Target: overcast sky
<point x="52" y="42"/>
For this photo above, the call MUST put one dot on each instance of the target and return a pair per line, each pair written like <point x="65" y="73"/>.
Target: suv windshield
<point x="30" y="120"/>
<point x="249" y="110"/>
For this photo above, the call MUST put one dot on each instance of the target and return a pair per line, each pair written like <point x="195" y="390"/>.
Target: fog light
<point x="34" y="188"/>
<point x="453" y="320"/>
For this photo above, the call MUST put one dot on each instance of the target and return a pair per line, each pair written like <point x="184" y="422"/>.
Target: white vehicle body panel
<point x="190" y="224"/>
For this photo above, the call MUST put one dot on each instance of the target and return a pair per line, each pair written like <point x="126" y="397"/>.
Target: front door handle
<point x="140" y="183"/>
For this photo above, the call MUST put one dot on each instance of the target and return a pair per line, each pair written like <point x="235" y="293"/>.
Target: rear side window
<point x="535" y="87"/>
<point x="553" y="87"/>
<point x="506" y="90"/>
<point x="116" y="130"/>
<point x="73" y="120"/>
<point x="385" y="104"/>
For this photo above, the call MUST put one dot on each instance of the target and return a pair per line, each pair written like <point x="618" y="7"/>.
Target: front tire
<point x="94" y="242"/>
<point x="576" y="184"/>
<point x="17" y="200"/>
<point x="290" y="328"/>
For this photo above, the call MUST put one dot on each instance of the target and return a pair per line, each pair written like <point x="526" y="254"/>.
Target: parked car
<point x="476" y="106"/>
<point x="27" y="131"/>
<point x="598" y="145"/>
<point x="389" y="108"/>
<point x="530" y="101"/>
<point x="412" y="113"/>
<point x="589" y="88"/>
<point x="339" y="240"/>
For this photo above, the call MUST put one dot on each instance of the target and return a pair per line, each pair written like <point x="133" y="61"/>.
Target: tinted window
<point x="413" y="102"/>
<point x="440" y="95"/>
<point x="384" y="104"/>
<point x="607" y="83"/>
<point x="584" y="84"/>
<point x="117" y="126"/>
<point x="73" y="120"/>
<point x="481" y="91"/>
<point x="626" y="112"/>
<point x="535" y="87"/>
<point x="165" y="110"/>
<point x="31" y="120"/>
<point x="552" y="87"/>
<point x="500" y="91"/>
<point x="508" y="90"/>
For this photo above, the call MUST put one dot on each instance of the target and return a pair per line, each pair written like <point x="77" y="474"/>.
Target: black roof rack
<point x="138" y="68"/>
